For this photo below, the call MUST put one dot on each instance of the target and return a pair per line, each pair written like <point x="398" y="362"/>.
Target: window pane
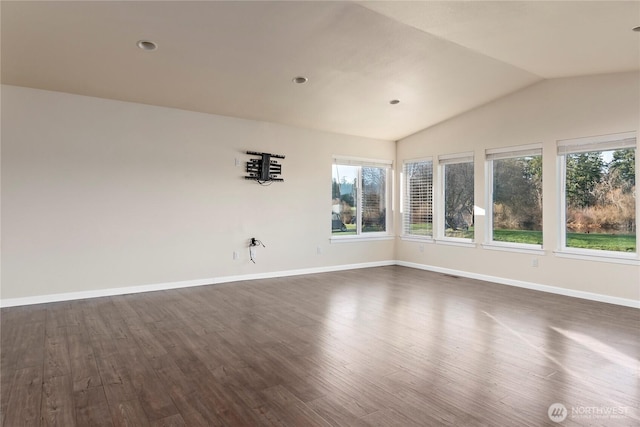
<point x="600" y="200"/>
<point x="458" y="200"/>
<point x="418" y="198"/>
<point x="374" y="213"/>
<point x="344" y="199"/>
<point x="517" y="200"/>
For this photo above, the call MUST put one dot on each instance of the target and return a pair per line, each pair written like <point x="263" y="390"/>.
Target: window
<point x="598" y="189"/>
<point x="360" y="197"/>
<point x="514" y="177"/>
<point x="417" y="206"/>
<point x="457" y="191"/>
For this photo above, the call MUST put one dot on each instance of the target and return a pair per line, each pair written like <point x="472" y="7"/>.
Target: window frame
<point x="387" y="166"/>
<point x="499" y="154"/>
<point x="404" y="235"/>
<point x="443" y="161"/>
<point x="586" y="145"/>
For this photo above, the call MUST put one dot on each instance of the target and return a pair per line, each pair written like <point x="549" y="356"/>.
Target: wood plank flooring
<point x="388" y="346"/>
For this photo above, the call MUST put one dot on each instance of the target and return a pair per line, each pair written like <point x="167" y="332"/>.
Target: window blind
<point x="597" y="143"/>
<point x="510" y="152"/>
<point x="418" y="198"/>
<point x="448" y="159"/>
<point x="354" y="161"/>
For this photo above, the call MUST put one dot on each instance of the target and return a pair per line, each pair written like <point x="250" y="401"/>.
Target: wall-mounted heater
<point x="264" y="169"/>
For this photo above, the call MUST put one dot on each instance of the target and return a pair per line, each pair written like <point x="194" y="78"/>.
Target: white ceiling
<point x="238" y="58"/>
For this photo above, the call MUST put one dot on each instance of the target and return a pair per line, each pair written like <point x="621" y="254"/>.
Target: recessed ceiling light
<point x="300" y="80"/>
<point x="146" y="45"/>
<point x="637" y="29"/>
<point x="394" y="101"/>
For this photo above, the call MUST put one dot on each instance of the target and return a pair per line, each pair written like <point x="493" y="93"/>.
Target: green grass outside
<point x="527" y="237"/>
<point x="426" y="229"/>
<point x="351" y="230"/>
<point x="597" y="241"/>
<point x="462" y="234"/>
<point x="602" y="241"/>
<point x="421" y="229"/>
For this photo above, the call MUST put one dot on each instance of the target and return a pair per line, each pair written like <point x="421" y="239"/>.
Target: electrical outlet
<point x="237" y="162"/>
<point x="319" y="250"/>
<point x="252" y="252"/>
<point x="534" y="262"/>
<point x="236" y="255"/>
<point x="421" y="248"/>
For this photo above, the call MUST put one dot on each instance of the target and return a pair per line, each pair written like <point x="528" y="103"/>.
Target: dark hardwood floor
<point x="374" y="347"/>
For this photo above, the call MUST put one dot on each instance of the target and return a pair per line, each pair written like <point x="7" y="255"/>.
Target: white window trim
<point x="456" y="241"/>
<point x="466" y="157"/>
<point x="368" y="236"/>
<point x="361" y="161"/>
<point x="561" y="173"/>
<point x="439" y="223"/>
<point x="403" y="189"/>
<point x="585" y="145"/>
<point x="417" y="238"/>
<point x="514" y="247"/>
<point x="597" y="143"/>
<point x="511" y="152"/>
<point x="598" y="255"/>
<point x="490" y="156"/>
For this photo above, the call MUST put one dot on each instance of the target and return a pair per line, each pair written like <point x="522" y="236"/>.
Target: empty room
<point x="319" y="213"/>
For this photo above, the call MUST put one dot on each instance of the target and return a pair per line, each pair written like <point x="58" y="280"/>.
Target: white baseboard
<point x="527" y="285"/>
<point x="70" y="296"/>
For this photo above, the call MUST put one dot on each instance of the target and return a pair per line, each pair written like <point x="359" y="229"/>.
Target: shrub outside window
<point x="457" y="179"/>
<point x="599" y="194"/>
<point x="515" y="188"/>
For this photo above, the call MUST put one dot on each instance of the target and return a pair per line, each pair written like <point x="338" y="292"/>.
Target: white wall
<point x="542" y="113"/>
<point x="100" y="194"/>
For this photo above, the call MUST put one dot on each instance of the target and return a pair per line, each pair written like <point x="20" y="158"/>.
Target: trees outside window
<point x="359" y="198"/>
<point x="515" y="177"/>
<point x="374" y="199"/>
<point x="600" y="201"/>
<point x="457" y="189"/>
<point x="599" y="193"/>
<point x="344" y="197"/>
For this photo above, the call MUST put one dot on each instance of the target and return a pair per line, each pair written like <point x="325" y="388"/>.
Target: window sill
<point x="421" y="239"/>
<point x="466" y="243"/>
<point x="514" y="247"/>
<point x="360" y="238"/>
<point x="601" y="256"/>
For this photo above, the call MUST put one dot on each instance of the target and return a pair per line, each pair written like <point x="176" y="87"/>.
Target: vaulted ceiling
<point x="238" y="58"/>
